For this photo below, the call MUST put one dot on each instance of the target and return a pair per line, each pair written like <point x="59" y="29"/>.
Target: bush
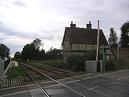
<point x="49" y="63"/>
<point x="15" y="72"/>
<point x="121" y="63"/>
<point x="110" y="65"/>
<point x="76" y="62"/>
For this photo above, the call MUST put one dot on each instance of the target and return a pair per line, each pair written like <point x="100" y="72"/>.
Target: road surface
<point x="113" y="84"/>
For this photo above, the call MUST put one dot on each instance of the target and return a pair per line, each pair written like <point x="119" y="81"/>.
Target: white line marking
<point x="67" y="82"/>
<point x="96" y="76"/>
<point x="92" y="88"/>
<point x="123" y="78"/>
<point x="57" y="81"/>
<point x="76" y="76"/>
<point x="84" y="75"/>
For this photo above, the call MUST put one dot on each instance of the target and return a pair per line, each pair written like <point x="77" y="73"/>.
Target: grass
<point x="50" y="63"/>
<point x="15" y="72"/>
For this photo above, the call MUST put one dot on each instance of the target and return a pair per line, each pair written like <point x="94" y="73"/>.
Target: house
<point x="82" y="41"/>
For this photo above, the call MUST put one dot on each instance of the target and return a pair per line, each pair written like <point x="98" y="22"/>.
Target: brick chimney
<point x="89" y="26"/>
<point x="72" y="25"/>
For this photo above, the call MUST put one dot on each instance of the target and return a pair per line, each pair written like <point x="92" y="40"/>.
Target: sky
<point x="22" y="21"/>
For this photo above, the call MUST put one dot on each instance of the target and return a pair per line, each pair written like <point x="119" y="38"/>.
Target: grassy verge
<point x="50" y="63"/>
<point x="15" y="72"/>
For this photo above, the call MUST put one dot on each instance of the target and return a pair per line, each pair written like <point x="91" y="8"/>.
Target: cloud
<point x="19" y="3"/>
<point x="25" y="20"/>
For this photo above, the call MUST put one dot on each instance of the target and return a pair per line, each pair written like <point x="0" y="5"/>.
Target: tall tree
<point x="4" y="51"/>
<point x="37" y="43"/>
<point x="124" y="40"/>
<point x="33" y="51"/>
<point x="112" y="38"/>
<point x="17" y="56"/>
<point x="54" y="53"/>
<point x="29" y="52"/>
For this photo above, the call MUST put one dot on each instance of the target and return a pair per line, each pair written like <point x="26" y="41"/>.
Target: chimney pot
<point x="72" y="25"/>
<point x="89" y="26"/>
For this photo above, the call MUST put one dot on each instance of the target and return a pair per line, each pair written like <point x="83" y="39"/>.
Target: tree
<point x="4" y="51"/>
<point x="17" y="56"/>
<point x="33" y="51"/>
<point x="112" y="38"/>
<point x="124" y="40"/>
<point x="37" y="43"/>
<point x="29" y="52"/>
<point x="76" y="62"/>
<point x="54" y="54"/>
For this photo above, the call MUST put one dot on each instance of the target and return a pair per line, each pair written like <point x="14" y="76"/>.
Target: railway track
<point x="32" y="71"/>
<point x="35" y="80"/>
<point x="58" y="74"/>
<point x="52" y="72"/>
<point x="56" y="70"/>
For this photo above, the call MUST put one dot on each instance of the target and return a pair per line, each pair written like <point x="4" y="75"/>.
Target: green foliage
<point x="37" y="43"/>
<point x="76" y="62"/>
<point x="17" y="56"/>
<point x="4" y="51"/>
<point x="123" y="63"/>
<point x="15" y="72"/>
<point x="32" y="51"/>
<point x="110" y="65"/>
<point x="49" y="63"/>
<point x="29" y="52"/>
<point x="54" y="54"/>
<point x="118" y="64"/>
<point x="112" y="38"/>
<point x="125" y="35"/>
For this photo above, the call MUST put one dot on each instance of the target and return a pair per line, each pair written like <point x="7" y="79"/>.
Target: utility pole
<point x="97" y="50"/>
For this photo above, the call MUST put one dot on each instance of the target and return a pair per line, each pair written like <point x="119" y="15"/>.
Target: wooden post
<point x="97" y="50"/>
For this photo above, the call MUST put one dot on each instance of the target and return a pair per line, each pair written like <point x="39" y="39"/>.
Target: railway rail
<point x="52" y="72"/>
<point x="38" y="71"/>
<point x="56" y="70"/>
<point x="37" y="83"/>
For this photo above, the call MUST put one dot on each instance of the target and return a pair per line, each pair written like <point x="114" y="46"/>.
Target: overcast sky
<point x="21" y="21"/>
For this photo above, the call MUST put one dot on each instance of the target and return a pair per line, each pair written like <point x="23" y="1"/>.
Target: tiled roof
<point x="83" y="36"/>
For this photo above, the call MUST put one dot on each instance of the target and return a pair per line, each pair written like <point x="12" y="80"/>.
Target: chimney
<point x="89" y="26"/>
<point x="72" y="25"/>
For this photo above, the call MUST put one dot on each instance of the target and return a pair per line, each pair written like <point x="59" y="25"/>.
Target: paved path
<point x="114" y="84"/>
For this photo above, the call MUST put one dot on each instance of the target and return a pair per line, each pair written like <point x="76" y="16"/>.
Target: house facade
<point x="82" y="41"/>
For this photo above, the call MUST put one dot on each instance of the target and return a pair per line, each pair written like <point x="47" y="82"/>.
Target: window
<point x="90" y="47"/>
<point x="74" y="46"/>
<point x="82" y="47"/>
<point x="95" y="46"/>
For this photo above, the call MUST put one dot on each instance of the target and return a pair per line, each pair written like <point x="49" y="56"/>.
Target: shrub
<point x="110" y="65"/>
<point x="15" y="72"/>
<point x="121" y="63"/>
<point x="76" y="62"/>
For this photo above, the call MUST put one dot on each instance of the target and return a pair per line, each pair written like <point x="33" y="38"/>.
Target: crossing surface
<point x="113" y="84"/>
